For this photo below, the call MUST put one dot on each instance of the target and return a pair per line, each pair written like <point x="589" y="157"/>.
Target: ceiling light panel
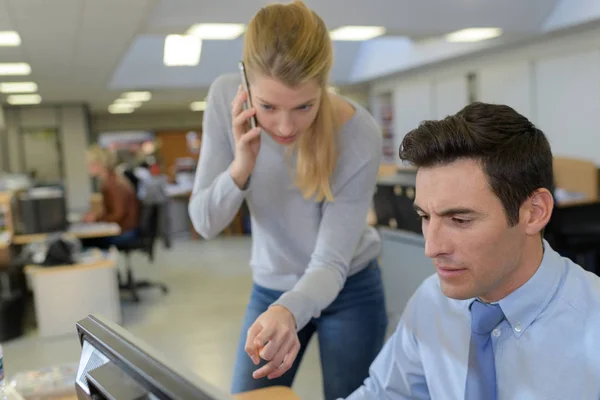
<point x="136" y="96"/>
<point x="18" y="87"/>
<point x="473" y="34"/>
<point x="182" y="50"/>
<point x="198" y="106"/>
<point x="14" y="69"/>
<point x="120" y="109"/>
<point x="23" y="99"/>
<point x="217" y="31"/>
<point x="357" y="33"/>
<point x="9" y="38"/>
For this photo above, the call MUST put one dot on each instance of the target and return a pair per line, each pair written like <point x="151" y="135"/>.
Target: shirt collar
<point x="525" y="304"/>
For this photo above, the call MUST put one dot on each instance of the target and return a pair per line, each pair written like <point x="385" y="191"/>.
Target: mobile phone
<point x="246" y="87"/>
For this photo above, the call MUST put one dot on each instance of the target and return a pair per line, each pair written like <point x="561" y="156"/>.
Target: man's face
<point x="474" y="250"/>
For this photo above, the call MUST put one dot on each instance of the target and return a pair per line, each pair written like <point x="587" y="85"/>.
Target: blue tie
<point x="481" y="376"/>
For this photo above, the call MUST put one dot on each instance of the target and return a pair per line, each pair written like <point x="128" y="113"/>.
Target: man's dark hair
<point x="514" y="154"/>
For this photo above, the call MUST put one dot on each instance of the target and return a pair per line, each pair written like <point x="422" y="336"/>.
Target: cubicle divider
<point x="404" y="267"/>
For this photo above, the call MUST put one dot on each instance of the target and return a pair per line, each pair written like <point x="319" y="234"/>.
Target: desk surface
<point x="273" y="393"/>
<point x="93" y="259"/>
<point x="78" y="230"/>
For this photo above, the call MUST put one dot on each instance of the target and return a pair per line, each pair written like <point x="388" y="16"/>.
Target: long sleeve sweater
<point x="301" y="247"/>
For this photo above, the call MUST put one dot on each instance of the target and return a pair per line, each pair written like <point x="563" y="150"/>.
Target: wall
<point x="174" y="120"/>
<point x="553" y="80"/>
<point x="71" y="123"/>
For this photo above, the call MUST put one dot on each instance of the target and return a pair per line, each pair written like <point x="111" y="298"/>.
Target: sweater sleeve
<point x="215" y="197"/>
<point x="342" y="225"/>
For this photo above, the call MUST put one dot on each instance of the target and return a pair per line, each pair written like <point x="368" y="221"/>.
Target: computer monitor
<point x="115" y="365"/>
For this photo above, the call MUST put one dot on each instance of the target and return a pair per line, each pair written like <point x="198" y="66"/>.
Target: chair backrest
<point x="149" y="222"/>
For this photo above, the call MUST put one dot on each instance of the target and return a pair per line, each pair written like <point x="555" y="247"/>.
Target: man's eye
<point x="460" y="221"/>
<point x="266" y="107"/>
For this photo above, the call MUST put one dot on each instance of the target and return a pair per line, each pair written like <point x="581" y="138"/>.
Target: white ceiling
<point x="93" y="50"/>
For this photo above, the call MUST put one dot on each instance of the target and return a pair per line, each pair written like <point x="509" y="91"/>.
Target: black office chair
<point x="148" y="231"/>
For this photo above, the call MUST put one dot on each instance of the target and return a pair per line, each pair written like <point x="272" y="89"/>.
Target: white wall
<point x="554" y="81"/>
<point x="450" y="94"/>
<point x="507" y="83"/>
<point x="71" y="123"/>
<point x="413" y="103"/>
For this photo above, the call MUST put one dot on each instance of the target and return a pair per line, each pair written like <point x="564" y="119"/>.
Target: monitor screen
<point x="116" y="365"/>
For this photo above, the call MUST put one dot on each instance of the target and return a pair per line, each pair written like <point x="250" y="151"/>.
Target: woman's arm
<point x="215" y="198"/>
<point x="341" y="228"/>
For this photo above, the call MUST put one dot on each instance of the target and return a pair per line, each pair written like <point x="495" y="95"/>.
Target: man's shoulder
<point x="581" y="290"/>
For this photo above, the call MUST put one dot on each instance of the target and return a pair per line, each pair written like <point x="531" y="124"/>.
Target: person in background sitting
<point x="120" y="202"/>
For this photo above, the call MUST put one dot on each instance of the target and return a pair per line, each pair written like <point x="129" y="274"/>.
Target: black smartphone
<point x="246" y="87"/>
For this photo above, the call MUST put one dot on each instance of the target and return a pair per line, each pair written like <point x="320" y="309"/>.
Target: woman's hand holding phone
<point x="247" y="140"/>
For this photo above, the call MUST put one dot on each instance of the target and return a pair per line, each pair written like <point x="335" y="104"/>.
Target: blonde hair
<point x="291" y="43"/>
<point x="97" y="154"/>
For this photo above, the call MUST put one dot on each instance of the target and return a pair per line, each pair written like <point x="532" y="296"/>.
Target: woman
<point x="308" y="175"/>
<point x="120" y="203"/>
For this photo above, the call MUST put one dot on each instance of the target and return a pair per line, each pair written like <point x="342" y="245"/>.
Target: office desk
<point x="273" y="393"/>
<point x="79" y="230"/>
<point x="65" y="294"/>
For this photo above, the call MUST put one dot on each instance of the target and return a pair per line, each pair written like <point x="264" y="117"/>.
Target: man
<point x="505" y="317"/>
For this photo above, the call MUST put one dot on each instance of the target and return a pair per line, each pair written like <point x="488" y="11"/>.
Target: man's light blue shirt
<point x="547" y="347"/>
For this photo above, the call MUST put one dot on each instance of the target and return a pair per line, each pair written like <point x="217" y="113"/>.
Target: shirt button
<point x="518" y="327"/>
<point x="496" y="332"/>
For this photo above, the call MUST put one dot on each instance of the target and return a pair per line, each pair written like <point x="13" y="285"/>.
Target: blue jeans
<point x="351" y="333"/>
<point x="108" y="241"/>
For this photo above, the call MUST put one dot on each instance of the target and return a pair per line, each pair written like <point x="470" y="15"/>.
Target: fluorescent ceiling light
<point x="182" y="50"/>
<point x="9" y="38"/>
<point x="198" y="106"/>
<point x="356" y="32"/>
<point x="128" y="103"/>
<point x="217" y="31"/>
<point x="22" y="99"/>
<point x="18" y="87"/>
<point x="120" y="109"/>
<point x="15" y="69"/>
<point x="136" y="96"/>
<point x="473" y="34"/>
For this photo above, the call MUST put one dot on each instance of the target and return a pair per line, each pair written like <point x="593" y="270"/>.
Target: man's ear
<point x="538" y="211"/>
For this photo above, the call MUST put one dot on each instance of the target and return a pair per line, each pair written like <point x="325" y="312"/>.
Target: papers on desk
<point x="49" y="382"/>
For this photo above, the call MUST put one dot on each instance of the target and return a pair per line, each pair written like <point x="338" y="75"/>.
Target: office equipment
<point x="393" y="201"/>
<point x="116" y="365"/>
<point x="40" y="210"/>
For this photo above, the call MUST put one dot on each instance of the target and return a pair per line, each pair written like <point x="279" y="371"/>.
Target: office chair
<point x="148" y="230"/>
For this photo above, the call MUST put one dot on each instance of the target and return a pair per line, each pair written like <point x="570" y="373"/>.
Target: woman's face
<point x="285" y="113"/>
<point x="94" y="168"/>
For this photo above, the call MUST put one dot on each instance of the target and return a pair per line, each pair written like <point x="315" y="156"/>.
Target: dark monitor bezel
<point x="142" y="364"/>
